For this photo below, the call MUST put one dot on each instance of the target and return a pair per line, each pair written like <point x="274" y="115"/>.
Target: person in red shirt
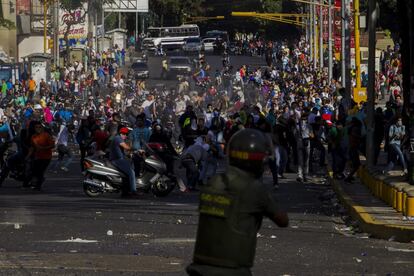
<point x="40" y="152"/>
<point x="100" y="137"/>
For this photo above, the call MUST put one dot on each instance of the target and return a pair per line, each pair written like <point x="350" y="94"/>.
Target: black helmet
<point x="247" y="150"/>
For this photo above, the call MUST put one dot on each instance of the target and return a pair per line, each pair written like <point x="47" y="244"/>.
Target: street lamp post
<point x="343" y="27"/>
<point x="311" y="27"/>
<point x="321" y="36"/>
<point x="371" y="83"/>
<point x="45" y="26"/>
<point x="357" y="50"/>
<point x="330" y="65"/>
<point x="315" y="48"/>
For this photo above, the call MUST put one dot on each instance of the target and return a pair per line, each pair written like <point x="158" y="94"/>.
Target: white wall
<point x="31" y="45"/>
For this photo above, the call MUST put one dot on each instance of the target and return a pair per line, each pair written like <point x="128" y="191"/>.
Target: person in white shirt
<point x="62" y="149"/>
<point x="149" y="107"/>
<point x="208" y="116"/>
<point x="180" y="105"/>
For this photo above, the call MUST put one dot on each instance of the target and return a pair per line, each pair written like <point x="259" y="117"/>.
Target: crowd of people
<point x="298" y="108"/>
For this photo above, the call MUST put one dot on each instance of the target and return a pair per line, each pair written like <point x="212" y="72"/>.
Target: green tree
<point x="175" y="12"/>
<point x="165" y="9"/>
<point x="5" y="23"/>
<point x="271" y="6"/>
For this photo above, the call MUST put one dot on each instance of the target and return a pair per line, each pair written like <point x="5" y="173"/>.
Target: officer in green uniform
<point x="232" y="206"/>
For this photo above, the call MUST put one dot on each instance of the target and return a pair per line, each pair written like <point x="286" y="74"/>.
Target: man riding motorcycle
<point x="117" y="158"/>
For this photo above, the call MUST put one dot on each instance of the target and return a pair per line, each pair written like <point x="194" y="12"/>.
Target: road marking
<point x="393" y="249"/>
<point x="90" y="262"/>
<point x="138" y="235"/>
<point x="177" y="240"/>
<point x="72" y="240"/>
<point x="12" y="223"/>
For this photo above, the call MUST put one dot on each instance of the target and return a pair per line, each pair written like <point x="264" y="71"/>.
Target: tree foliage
<point x="5" y="23"/>
<point x="175" y="12"/>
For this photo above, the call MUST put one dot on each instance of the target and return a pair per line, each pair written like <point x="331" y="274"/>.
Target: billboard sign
<point x="127" y="6"/>
<point x="78" y="33"/>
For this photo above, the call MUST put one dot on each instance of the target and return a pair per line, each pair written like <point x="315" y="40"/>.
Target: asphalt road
<point x="60" y="231"/>
<point x="215" y="62"/>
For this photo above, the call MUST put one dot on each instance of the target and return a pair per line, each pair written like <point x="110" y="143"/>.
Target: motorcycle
<point x="13" y="167"/>
<point x="103" y="177"/>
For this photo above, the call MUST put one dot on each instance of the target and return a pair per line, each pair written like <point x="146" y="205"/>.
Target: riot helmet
<point x="247" y="150"/>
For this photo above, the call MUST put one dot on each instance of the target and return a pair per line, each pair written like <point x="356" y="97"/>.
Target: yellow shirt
<point x="32" y="85"/>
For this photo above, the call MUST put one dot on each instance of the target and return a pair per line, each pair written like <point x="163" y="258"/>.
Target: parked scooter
<point x="103" y="177"/>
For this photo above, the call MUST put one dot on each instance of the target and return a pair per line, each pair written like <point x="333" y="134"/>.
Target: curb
<point x="367" y="223"/>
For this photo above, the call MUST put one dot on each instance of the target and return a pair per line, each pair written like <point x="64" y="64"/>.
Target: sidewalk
<point x="379" y="203"/>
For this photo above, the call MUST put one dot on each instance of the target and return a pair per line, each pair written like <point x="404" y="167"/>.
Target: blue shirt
<point x="9" y="85"/>
<point x="101" y="72"/>
<point x="139" y="136"/>
<point x="28" y="113"/>
<point x="115" y="151"/>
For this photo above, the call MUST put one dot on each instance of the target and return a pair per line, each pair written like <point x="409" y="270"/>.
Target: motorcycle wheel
<point x="162" y="188"/>
<point x="91" y="191"/>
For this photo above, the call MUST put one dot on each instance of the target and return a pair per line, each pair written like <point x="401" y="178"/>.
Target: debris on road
<point x="109" y="233"/>
<point x="357" y="260"/>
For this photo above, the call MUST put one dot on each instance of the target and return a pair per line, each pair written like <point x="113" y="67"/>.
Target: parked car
<point x="140" y="68"/>
<point x="192" y="45"/>
<point x="208" y="44"/>
<point x="179" y="66"/>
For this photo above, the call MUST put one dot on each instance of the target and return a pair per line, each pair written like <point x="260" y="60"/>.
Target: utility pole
<point x="405" y="15"/>
<point x="315" y="39"/>
<point x="56" y="33"/>
<point x="143" y="23"/>
<point x="321" y="36"/>
<point x="357" y="50"/>
<point x="348" y="82"/>
<point x="371" y="83"/>
<point x="330" y="58"/>
<point x="103" y="20"/>
<point x="45" y="27"/>
<point x="343" y="27"/>
<point x="136" y="28"/>
<point x="311" y="27"/>
<point x="96" y="30"/>
<point x="119" y="20"/>
<point x="345" y="49"/>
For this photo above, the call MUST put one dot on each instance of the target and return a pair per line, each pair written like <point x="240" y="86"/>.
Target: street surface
<point x="60" y="231"/>
<point x="154" y="64"/>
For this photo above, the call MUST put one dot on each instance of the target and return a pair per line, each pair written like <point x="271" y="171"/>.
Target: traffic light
<point x="50" y="43"/>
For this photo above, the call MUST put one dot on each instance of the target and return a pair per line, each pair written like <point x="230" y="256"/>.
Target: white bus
<point x="169" y="37"/>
